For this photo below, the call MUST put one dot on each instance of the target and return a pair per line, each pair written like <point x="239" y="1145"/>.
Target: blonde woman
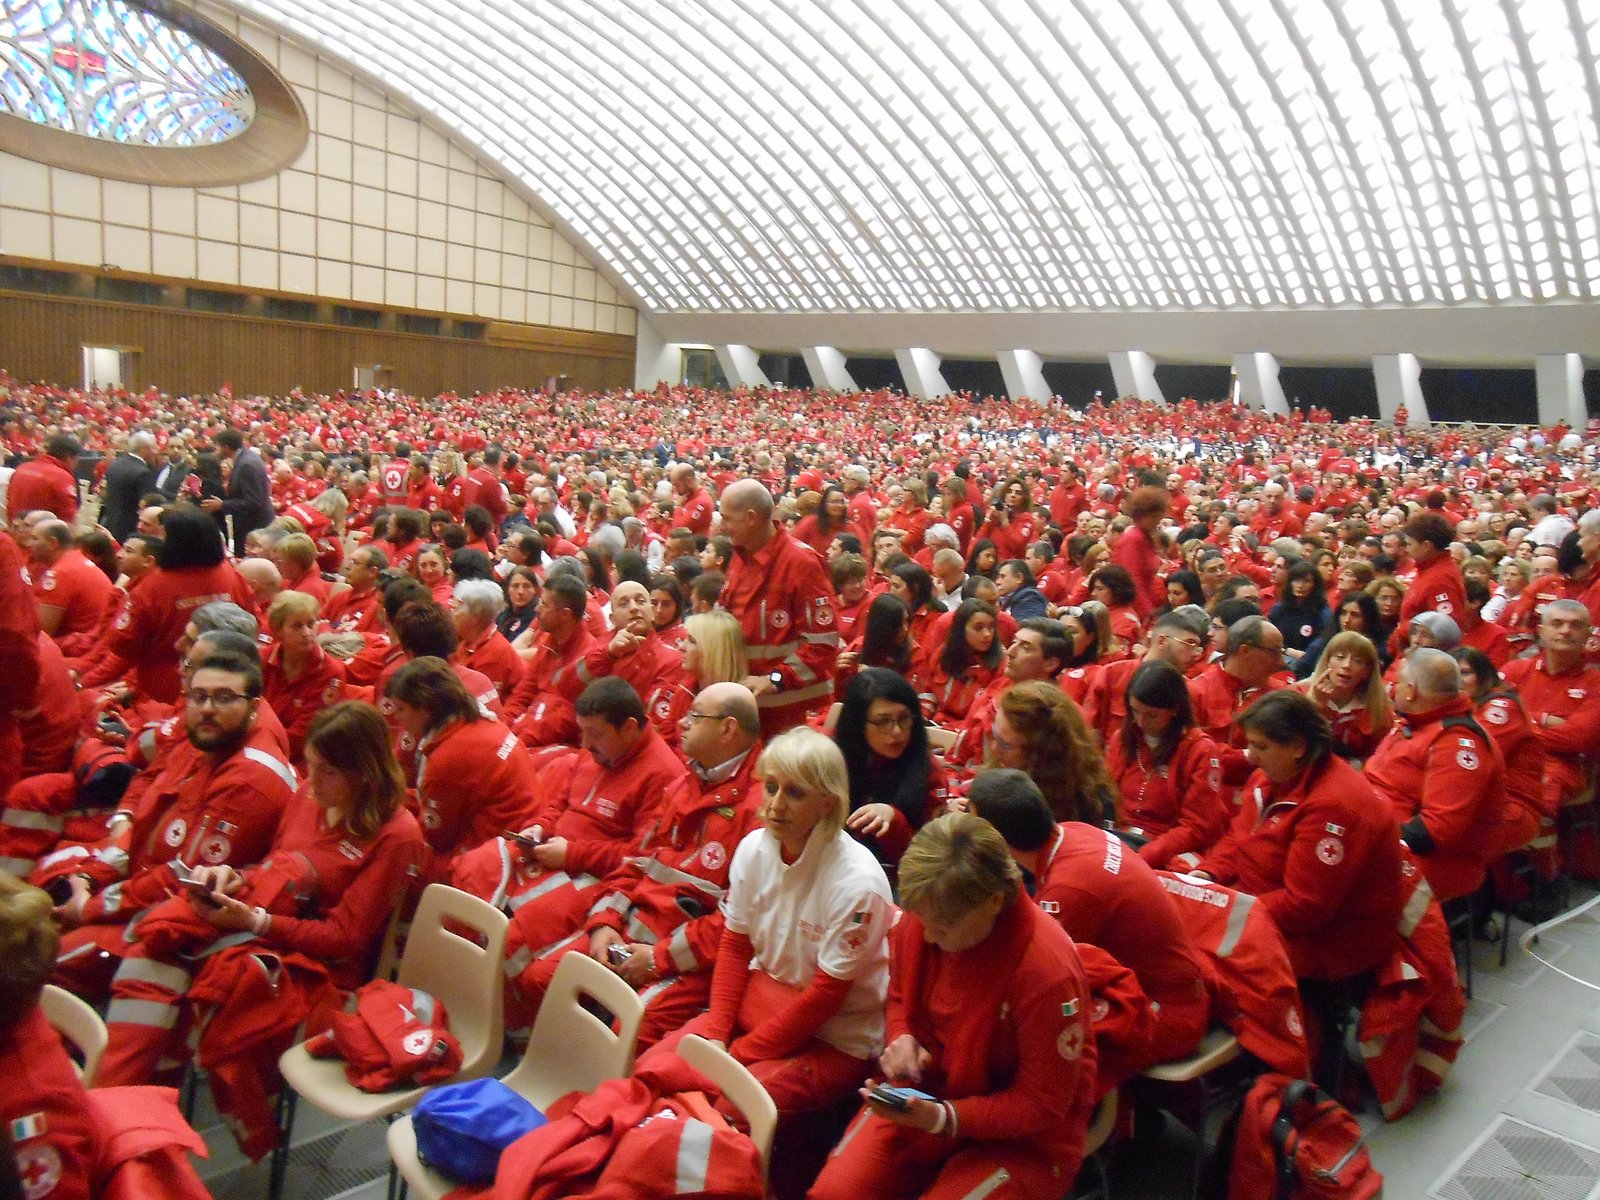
<point x="802" y="972"/>
<point x="1347" y="688"/>
<point x="713" y="652"/>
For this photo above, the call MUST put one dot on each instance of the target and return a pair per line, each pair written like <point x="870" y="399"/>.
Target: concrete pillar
<point x="655" y="360"/>
<point x="828" y="370"/>
<point x="920" y="367"/>
<point x="1024" y="375"/>
<point x="741" y="365"/>
<point x="1399" y="378"/>
<point x="1560" y="381"/>
<point x="1135" y="375"/>
<point x="1258" y="383"/>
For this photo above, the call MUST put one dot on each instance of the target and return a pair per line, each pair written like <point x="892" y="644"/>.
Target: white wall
<point x="379" y="209"/>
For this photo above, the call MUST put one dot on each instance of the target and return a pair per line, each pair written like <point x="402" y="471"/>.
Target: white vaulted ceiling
<point x="1025" y="156"/>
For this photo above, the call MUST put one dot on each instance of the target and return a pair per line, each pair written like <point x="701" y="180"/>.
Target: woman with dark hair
<point x="666" y="593"/>
<point x="1498" y="708"/>
<point x="895" y="786"/>
<point x="1037" y="729"/>
<point x="913" y="586"/>
<point x="884" y="641"/>
<point x="474" y="778"/>
<point x="1183" y="587"/>
<point x="968" y="663"/>
<point x="1313" y="843"/>
<point x="830" y="520"/>
<point x="596" y="569"/>
<point x="1356" y="612"/>
<point x="1011" y="525"/>
<point x="1302" y="612"/>
<point x="983" y="559"/>
<point x="1388" y="596"/>
<point x="190" y="571"/>
<point x="1112" y="586"/>
<point x="433" y="569"/>
<point x="1168" y="775"/>
<point x="522" y="603"/>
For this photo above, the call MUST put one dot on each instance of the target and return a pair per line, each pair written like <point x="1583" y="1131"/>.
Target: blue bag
<point x="463" y="1127"/>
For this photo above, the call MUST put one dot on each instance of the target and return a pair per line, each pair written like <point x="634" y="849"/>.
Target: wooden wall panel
<point x="179" y="351"/>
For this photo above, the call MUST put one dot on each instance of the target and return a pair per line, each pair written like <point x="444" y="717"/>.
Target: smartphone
<point x="195" y="888"/>
<point x="618" y="954"/>
<point x="526" y="841"/>
<point x="897" y="1098"/>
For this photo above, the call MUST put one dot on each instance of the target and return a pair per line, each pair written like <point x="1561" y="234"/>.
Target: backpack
<point x="462" y="1128"/>
<point x="1290" y="1140"/>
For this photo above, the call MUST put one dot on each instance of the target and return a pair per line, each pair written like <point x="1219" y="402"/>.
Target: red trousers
<point x="878" y="1158"/>
<point x="89" y="956"/>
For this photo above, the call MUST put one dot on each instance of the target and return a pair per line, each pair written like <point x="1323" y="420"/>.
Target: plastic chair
<point x="940" y="740"/>
<point x="569" y="1050"/>
<point x="741" y="1089"/>
<point x="79" y="1025"/>
<point x="831" y="721"/>
<point x="1217" y="1049"/>
<point x="1101" y="1126"/>
<point x="464" y="976"/>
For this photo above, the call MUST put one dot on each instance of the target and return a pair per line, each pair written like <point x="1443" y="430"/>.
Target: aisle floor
<point x="1519" y="1118"/>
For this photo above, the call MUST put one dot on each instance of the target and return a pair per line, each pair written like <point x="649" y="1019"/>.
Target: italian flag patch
<point x="24" y="1128"/>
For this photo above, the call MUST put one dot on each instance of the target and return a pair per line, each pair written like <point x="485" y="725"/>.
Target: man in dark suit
<point x="248" y="499"/>
<point x="130" y="476"/>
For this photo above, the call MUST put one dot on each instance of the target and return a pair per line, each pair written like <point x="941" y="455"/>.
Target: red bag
<point x="1292" y="1141"/>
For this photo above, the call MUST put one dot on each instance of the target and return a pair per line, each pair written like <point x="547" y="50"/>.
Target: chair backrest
<point x="77" y="1023"/>
<point x="742" y="1089"/>
<point x="571" y="1049"/>
<point x="388" y="959"/>
<point x="464" y="976"/>
<point x="831" y="721"/>
<point x="940" y="740"/>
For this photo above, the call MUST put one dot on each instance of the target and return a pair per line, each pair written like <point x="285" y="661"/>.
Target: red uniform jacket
<point x="969" y="743"/>
<point x="1134" y="552"/>
<point x="781" y="597"/>
<point x="146" y="632"/>
<point x="1505" y="720"/>
<point x="539" y="713"/>
<point x="602" y="811"/>
<point x="1446" y="784"/>
<point x="203" y="811"/>
<point x="77" y="587"/>
<point x="700" y="826"/>
<point x="43" y="484"/>
<point x="297" y="702"/>
<point x="1178" y="805"/>
<point x="493" y="658"/>
<point x="1102" y="893"/>
<point x="1105" y="699"/>
<point x="653" y="669"/>
<point x="50" y="728"/>
<point x="1438" y="587"/>
<point x="44" y="1105"/>
<point x="1218" y="698"/>
<point x="1354" y="735"/>
<point x="474" y="780"/>
<point x="1323" y="854"/>
<point x="1574" y="696"/>
<point x="694" y="514"/>
<point x="953" y="698"/>
<point x="350" y="611"/>
<point x="1012" y="538"/>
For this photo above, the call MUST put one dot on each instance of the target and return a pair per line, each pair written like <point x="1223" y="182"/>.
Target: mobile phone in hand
<point x="617" y="954"/>
<point x="525" y="840"/>
<point x="897" y="1098"/>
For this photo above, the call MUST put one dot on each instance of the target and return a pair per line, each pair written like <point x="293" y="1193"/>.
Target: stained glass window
<point x="117" y="72"/>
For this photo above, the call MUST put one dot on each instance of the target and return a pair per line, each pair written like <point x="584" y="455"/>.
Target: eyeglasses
<point x="222" y="698"/>
<point x="885" y="724"/>
<point x="690" y="717"/>
<point x="1190" y="643"/>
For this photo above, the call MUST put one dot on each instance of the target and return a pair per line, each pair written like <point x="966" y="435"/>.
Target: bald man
<point x="635" y="653"/>
<point x="778" y="590"/>
<point x="694" y="508"/>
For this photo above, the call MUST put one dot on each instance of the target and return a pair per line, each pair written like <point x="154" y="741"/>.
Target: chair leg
<point x="189" y="1090"/>
<point x="287" y="1100"/>
<point x="1202" y="1151"/>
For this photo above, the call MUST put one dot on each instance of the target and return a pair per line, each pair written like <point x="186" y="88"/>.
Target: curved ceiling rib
<point x="917" y="156"/>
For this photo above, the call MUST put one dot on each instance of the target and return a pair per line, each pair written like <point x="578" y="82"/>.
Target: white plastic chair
<point x="831" y="721"/>
<point x="78" y="1024"/>
<point x="940" y="740"/>
<point x="741" y="1089"/>
<point x="462" y="975"/>
<point x="569" y="1050"/>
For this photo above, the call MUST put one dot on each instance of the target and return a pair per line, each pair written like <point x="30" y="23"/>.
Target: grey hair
<point x="1589" y="522"/>
<point x="141" y="439"/>
<point x="225" y="615"/>
<point x="1434" y="672"/>
<point x="609" y="540"/>
<point x="941" y="534"/>
<point x="480" y="597"/>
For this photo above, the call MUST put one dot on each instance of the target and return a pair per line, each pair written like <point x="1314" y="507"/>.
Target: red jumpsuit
<point x="1013" y="537"/>
<point x="50" y="729"/>
<point x="44" y="1105"/>
<point x="348" y="888"/>
<point x="1218" y="698"/>
<point x="649" y="899"/>
<point x="145" y="634"/>
<point x="1178" y="805"/>
<point x="1446" y="784"/>
<point x="537" y="711"/>
<point x="201" y="810"/>
<point x="492" y="657"/>
<point x="77" y="587"/>
<point x="954" y="698"/>
<point x="694" y="514"/>
<point x="1322" y="854"/>
<point x="1007" y="1024"/>
<point x="781" y="597"/>
<point x="43" y="485"/>
<point x="601" y="812"/>
<point x="1103" y="894"/>
<point x="474" y="780"/>
<point x="298" y="701"/>
<point x="653" y="669"/>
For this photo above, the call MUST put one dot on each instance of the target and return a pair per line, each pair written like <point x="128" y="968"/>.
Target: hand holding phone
<point x="897" y="1098"/>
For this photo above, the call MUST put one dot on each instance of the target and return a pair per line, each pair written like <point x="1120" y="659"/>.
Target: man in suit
<point x="130" y="476"/>
<point x="249" y="496"/>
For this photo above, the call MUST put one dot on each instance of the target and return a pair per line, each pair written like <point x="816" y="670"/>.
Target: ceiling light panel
<point x="958" y="155"/>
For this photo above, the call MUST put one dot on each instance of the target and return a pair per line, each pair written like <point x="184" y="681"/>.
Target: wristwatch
<point x="777" y="680"/>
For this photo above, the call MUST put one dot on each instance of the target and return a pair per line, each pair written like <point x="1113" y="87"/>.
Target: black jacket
<point x="127" y="479"/>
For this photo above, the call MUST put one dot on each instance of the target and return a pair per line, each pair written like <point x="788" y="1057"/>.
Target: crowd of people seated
<point x="870" y="738"/>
